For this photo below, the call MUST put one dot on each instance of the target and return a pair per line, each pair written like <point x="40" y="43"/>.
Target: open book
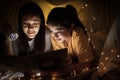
<point x="34" y="62"/>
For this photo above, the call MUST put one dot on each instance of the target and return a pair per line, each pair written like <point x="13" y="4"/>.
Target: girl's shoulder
<point x="46" y="30"/>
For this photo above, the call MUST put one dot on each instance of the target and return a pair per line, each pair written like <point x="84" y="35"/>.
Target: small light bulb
<point x="102" y="53"/>
<point x="106" y="58"/>
<point x="86" y="5"/>
<point x="118" y="56"/>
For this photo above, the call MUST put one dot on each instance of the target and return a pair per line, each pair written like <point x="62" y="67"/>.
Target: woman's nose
<point x="30" y="27"/>
<point x="54" y="35"/>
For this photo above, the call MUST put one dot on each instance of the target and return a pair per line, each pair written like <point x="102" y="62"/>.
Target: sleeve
<point x="9" y="75"/>
<point x="48" y="45"/>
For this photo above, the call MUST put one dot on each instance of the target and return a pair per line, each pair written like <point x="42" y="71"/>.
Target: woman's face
<point x="31" y="25"/>
<point x="60" y="34"/>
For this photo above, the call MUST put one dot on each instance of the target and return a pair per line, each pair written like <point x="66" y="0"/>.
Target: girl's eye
<point x="59" y="32"/>
<point x="25" y="25"/>
<point x="36" y="25"/>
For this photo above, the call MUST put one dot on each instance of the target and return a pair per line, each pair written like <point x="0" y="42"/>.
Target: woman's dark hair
<point x="59" y="16"/>
<point x="65" y="17"/>
<point x="74" y="16"/>
<point x="23" y="47"/>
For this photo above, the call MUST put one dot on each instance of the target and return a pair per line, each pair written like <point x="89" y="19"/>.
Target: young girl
<point x="33" y="36"/>
<point x="66" y="33"/>
<point x="31" y="30"/>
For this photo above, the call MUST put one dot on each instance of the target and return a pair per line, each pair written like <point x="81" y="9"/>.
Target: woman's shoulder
<point x="47" y="40"/>
<point x="46" y="30"/>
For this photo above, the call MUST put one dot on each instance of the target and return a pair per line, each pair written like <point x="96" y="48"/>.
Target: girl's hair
<point x="23" y="47"/>
<point x="64" y="17"/>
<point x="59" y="16"/>
<point x="74" y="16"/>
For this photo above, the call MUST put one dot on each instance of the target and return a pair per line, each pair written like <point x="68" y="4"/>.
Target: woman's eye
<point x="28" y="25"/>
<point x="25" y="25"/>
<point x="36" y="25"/>
<point x="60" y="32"/>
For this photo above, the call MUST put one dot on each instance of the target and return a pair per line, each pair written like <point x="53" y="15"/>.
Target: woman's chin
<point x="31" y="37"/>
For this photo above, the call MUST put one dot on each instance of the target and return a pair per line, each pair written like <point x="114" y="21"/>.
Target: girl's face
<point x="31" y="25"/>
<point x="60" y="34"/>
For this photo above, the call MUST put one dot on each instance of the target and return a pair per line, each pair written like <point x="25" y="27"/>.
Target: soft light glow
<point x="93" y="17"/>
<point x="106" y="58"/>
<point x="82" y="7"/>
<point x="97" y="67"/>
<point x="85" y="29"/>
<point x="112" y="51"/>
<point x="86" y="5"/>
<point x="101" y="63"/>
<point x="94" y="46"/>
<point x="18" y="78"/>
<point x="104" y="68"/>
<point x="91" y="29"/>
<point x="88" y="39"/>
<point x="102" y="53"/>
<point x="38" y="74"/>
<point x="74" y="73"/>
<point x="85" y="69"/>
<point x="81" y="19"/>
<point x="85" y="50"/>
<point x="86" y="59"/>
<point x="118" y="56"/>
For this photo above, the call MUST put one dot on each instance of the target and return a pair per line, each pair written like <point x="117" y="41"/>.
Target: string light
<point x="101" y="63"/>
<point x="93" y="17"/>
<point x="19" y="78"/>
<point x="85" y="50"/>
<point x="81" y="19"/>
<point x="91" y="29"/>
<point x="85" y="29"/>
<point x="74" y="73"/>
<point x="85" y="69"/>
<point x="86" y="60"/>
<point x="38" y="74"/>
<point x="89" y="39"/>
<point x="82" y="7"/>
<point x="112" y="51"/>
<point x="102" y="53"/>
<point x="97" y="67"/>
<point x="104" y="68"/>
<point x="106" y="58"/>
<point x="86" y="5"/>
<point x="118" y="56"/>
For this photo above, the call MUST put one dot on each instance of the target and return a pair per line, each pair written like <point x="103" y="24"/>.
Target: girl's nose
<point x="30" y="27"/>
<point x="54" y="35"/>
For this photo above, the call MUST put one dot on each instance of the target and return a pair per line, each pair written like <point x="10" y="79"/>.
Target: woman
<point x="33" y="36"/>
<point x="67" y="33"/>
<point x="31" y="30"/>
